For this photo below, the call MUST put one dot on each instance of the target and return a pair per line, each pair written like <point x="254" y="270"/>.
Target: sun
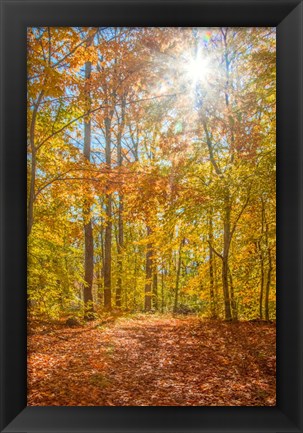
<point x="197" y="69"/>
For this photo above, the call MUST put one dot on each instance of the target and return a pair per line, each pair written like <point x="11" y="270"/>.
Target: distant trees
<point x="151" y="170"/>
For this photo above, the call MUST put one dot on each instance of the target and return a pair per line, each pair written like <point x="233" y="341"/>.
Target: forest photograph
<point x="151" y="216"/>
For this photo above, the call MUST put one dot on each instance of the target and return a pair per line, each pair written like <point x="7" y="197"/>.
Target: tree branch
<point x="210" y="150"/>
<point x="99" y="108"/>
<point x="240" y="214"/>
<point x="215" y="251"/>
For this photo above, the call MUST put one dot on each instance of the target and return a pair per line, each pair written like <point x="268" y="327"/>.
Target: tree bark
<point x="226" y="245"/>
<point x="233" y="303"/>
<point x="268" y="281"/>
<point x="89" y="271"/>
<point x="262" y="261"/>
<point x="120" y="210"/>
<point x="227" y="234"/>
<point x="162" y="289"/>
<point x="135" y="280"/>
<point x="178" y="277"/>
<point x="108" y="228"/>
<point x="107" y="254"/>
<point x="119" y="251"/>
<point x="155" y="288"/>
<point x="213" y="308"/>
<point x="30" y="207"/>
<point x="88" y="229"/>
<point x="31" y="199"/>
<point x="261" y="288"/>
<point x="148" y="274"/>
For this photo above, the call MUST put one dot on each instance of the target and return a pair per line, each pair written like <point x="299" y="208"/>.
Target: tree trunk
<point x="178" y="278"/>
<point x="120" y="211"/>
<point x="148" y="274"/>
<point x="162" y="289"/>
<point x="262" y="261"/>
<point x="233" y="302"/>
<point x="226" y="226"/>
<point x="108" y="255"/>
<point x="268" y="286"/>
<point x="31" y="198"/>
<point x="261" y="287"/>
<point x="102" y="251"/>
<point x="30" y="207"/>
<point x="226" y="245"/>
<point x="89" y="271"/>
<point x="88" y="229"/>
<point x="155" y="288"/>
<point x="120" y="250"/>
<point x="108" y="228"/>
<point x="213" y="308"/>
<point x="99" y="288"/>
<point x="227" y="308"/>
<point x="135" y="281"/>
<point x="100" y="260"/>
<point x="268" y="281"/>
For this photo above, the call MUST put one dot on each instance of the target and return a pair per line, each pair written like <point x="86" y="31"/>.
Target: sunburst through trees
<point x="151" y="172"/>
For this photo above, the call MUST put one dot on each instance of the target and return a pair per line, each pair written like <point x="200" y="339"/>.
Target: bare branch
<point x="215" y="251"/>
<point x="210" y="150"/>
<point x="99" y="108"/>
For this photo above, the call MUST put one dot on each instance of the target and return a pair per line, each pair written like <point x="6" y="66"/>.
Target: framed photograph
<point x="151" y="212"/>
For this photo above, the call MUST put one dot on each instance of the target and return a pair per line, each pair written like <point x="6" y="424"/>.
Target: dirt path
<point x="153" y="361"/>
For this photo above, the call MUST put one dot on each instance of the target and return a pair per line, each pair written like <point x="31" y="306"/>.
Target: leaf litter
<point x="153" y="361"/>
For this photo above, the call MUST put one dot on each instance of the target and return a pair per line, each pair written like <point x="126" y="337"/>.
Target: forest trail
<point x="152" y="361"/>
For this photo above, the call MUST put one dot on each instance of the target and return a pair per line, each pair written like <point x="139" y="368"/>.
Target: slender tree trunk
<point x="227" y="308"/>
<point x="162" y="289"/>
<point x="100" y="267"/>
<point x="229" y="302"/>
<point x="261" y="287"/>
<point x="102" y="251"/>
<point x="155" y="287"/>
<point x="120" y="210"/>
<point x="211" y="269"/>
<point x="108" y="227"/>
<point x="226" y="245"/>
<point x="262" y="261"/>
<point x="120" y="250"/>
<point x="89" y="271"/>
<point x="107" y="254"/>
<point x="99" y="288"/>
<point x="178" y="277"/>
<point x="135" y="281"/>
<point x="233" y="302"/>
<point x="31" y="198"/>
<point x="88" y="229"/>
<point x="148" y="274"/>
<point x="226" y="227"/>
<point x="30" y="207"/>
<point x="268" y="286"/>
<point x="268" y="281"/>
<point x="151" y="287"/>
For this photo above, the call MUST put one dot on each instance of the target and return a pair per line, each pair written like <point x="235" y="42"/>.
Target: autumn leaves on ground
<point x="151" y="203"/>
<point x="152" y="361"/>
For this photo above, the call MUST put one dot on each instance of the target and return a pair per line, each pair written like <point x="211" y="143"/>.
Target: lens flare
<point x="197" y="69"/>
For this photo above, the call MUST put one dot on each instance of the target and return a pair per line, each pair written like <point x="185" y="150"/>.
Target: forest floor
<point x="151" y="360"/>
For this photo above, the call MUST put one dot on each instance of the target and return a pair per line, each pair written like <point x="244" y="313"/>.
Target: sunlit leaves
<point x="191" y="152"/>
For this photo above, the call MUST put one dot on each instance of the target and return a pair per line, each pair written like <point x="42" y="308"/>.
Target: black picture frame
<point x="16" y="16"/>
